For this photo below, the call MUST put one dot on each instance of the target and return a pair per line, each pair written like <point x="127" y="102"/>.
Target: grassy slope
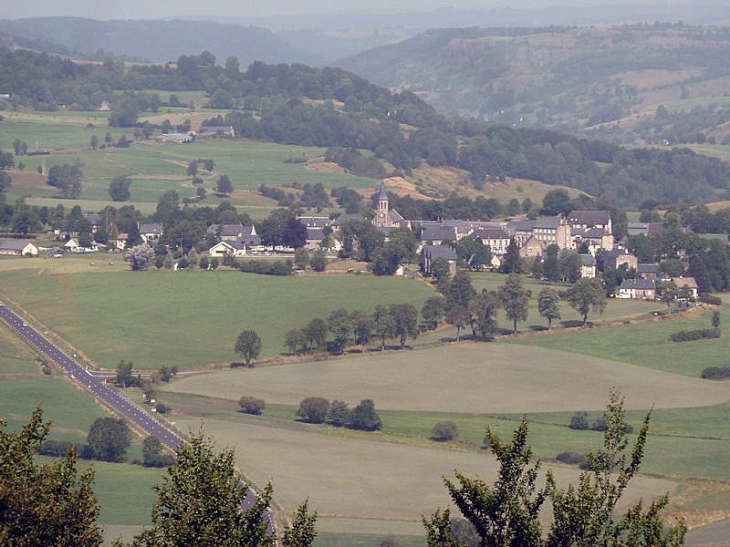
<point x="189" y="319"/>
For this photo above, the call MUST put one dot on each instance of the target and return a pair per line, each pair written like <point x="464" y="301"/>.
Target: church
<point x="385" y="217"/>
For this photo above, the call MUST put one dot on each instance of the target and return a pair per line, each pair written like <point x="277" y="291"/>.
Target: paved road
<point x="110" y="395"/>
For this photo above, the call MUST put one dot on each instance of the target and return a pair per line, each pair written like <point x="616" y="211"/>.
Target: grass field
<point x="190" y="319"/>
<point x="155" y="168"/>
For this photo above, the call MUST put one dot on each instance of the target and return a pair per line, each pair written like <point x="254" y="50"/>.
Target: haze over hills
<point x="567" y="77"/>
<point x="156" y="41"/>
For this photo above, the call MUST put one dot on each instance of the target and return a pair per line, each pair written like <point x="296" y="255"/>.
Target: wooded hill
<point x="299" y="105"/>
<point x="152" y="41"/>
<point x="578" y="79"/>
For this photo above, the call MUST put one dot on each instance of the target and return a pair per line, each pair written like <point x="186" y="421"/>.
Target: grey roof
<point x="588" y="233"/>
<point x="438" y="233"/>
<point x="520" y="226"/>
<point x="588" y="260"/>
<point x="344" y="217"/>
<point x="548" y="222"/>
<point x="491" y="233"/>
<point x="589" y="217"/>
<point x="94" y="218"/>
<point x="647" y="268"/>
<point x="639" y="284"/>
<point x="315" y="234"/>
<point x="14" y="244"/>
<point x="317" y="222"/>
<point x="439" y="251"/>
<point x="151" y="228"/>
<point x="615" y="253"/>
<point x="234" y="230"/>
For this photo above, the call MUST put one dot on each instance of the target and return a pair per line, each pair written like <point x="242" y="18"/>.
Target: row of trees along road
<point x="199" y="501"/>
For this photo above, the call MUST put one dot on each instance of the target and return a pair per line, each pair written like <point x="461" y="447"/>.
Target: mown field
<point x="190" y="319"/>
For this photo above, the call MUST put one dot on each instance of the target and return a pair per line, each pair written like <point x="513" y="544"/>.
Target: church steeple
<point x="383" y="198"/>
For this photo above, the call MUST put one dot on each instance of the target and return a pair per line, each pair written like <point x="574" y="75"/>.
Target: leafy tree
<point x="473" y="251"/>
<point x="460" y="290"/>
<point x="67" y="178"/>
<point x="584" y="514"/>
<point x="482" y="309"/>
<point x="124" y="377"/>
<point x="94" y="142"/>
<point x="511" y="259"/>
<point x="514" y="299"/>
<point x="339" y="414"/>
<point x="668" y="292"/>
<point x="444" y="431"/>
<point x="547" y="305"/>
<point x="587" y="294"/>
<point x="318" y="261"/>
<point x="556" y="202"/>
<point x="433" y="310"/>
<point x="109" y="439"/>
<point x="295" y="234"/>
<point x="316" y="333"/>
<point x="248" y="346"/>
<point x="251" y="405"/>
<point x="119" y="188"/>
<point x="459" y="317"/>
<point x="5" y="181"/>
<point x="44" y="503"/>
<point x="302" y="531"/>
<point x="192" y="169"/>
<point x="383" y="324"/>
<point x="193" y="258"/>
<point x="313" y="409"/>
<point x="140" y="257"/>
<point x="152" y="453"/>
<point x="295" y="340"/>
<point x="224" y="185"/>
<point x="716" y="319"/>
<point x="340" y="326"/>
<point x="405" y="321"/>
<point x="301" y="258"/>
<point x="506" y="513"/>
<point x="364" y="417"/>
<point x="199" y="501"/>
<point x="362" y="327"/>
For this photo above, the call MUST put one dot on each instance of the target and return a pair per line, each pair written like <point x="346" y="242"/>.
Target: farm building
<point x="18" y="247"/>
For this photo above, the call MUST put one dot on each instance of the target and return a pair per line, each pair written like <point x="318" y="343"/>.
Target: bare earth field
<point x="383" y="486"/>
<point x="489" y="378"/>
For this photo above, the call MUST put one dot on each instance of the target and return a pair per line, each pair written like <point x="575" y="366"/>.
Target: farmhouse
<point x="175" y="138"/>
<point x="18" y="247"/>
<point x="587" y="265"/>
<point x="637" y="289"/>
<point x="227" y="248"/>
<point x="686" y="283"/>
<point x="150" y="232"/>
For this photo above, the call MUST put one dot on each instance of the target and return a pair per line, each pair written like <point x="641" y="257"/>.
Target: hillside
<point x="578" y="79"/>
<point x="154" y="41"/>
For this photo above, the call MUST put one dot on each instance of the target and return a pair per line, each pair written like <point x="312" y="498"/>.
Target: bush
<point x="691" y="335"/>
<point x="364" y="417"/>
<point x="716" y="373"/>
<point x="573" y="458"/>
<point x="162" y="408"/>
<point x="267" y="267"/>
<point x="339" y="414"/>
<point x="444" y="431"/>
<point x="251" y="405"/>
<point x="313" y="410"/>
<point x="56" y="449"/>
<point x="579" y="421"/>
<point x="709" y="299"/>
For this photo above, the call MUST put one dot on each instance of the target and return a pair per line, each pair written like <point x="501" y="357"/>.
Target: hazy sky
<point x="168" y="9"/>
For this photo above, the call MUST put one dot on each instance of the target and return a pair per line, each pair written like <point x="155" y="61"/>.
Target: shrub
<point x="55" y="448"/>
<point x="691" y="335"/>
<point x="162" y="408"/>
<point x="716" y="373"/>
<point x="579" y="421"/>
<point x="313" y="409"/>
<point x="364" y="417"/>
<point x="444" y="431"/>
<point x="710" y="299"/>
<point x="267" y="267"/>
<point x="573" y="458"/>
<point x="251" y="405"/>
<point x="339" y="414"/>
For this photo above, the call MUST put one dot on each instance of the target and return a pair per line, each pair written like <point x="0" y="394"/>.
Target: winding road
<point x="111" y="396"/>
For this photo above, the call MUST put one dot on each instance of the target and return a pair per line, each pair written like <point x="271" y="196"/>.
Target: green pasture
<point x="644" y="343"/>
<point x="156" y="168"/>
<point x="189" y="319"/>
